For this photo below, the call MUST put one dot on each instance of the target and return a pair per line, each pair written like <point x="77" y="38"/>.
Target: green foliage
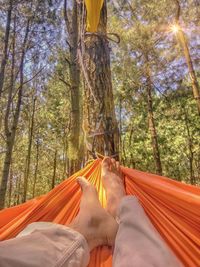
<point x="143" y="27"/>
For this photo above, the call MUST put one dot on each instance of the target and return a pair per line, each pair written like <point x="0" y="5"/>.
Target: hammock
<point x="173" y="208"/>
<point x="93" y="14"/>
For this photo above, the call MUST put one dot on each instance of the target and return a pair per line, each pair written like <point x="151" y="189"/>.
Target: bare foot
<point x="113" y="183"/>
<point x="92" y="221"/>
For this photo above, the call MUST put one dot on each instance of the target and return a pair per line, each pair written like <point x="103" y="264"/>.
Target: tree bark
<point x="28" y="160"/>
<point x="74" y="135"/>
<point x="5" y="49"/>
<point x="151" y="120"/>
<point x="99" y="120"/>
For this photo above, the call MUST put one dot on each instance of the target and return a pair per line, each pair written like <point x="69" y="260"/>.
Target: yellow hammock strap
<point x="93" y="14"/>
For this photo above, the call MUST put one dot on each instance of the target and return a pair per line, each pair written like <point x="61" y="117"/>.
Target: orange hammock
<point x="173" y="208"/>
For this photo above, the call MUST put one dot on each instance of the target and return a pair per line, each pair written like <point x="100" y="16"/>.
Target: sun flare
<point x="175" y="28"/>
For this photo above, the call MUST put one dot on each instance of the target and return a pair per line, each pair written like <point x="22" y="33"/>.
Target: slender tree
<point x="36" y="167"/>
<point x="5" y="46"/>
<point x="28" y="159"/>
<point x="10" y="132"/>
<point x="151" y="120"/>
<point x="184" y="44"/>
<point x="190" y="147"/>
<point x="10" y="187"/>
<point x="72" y="23"/>
<point x="54" y="170"/>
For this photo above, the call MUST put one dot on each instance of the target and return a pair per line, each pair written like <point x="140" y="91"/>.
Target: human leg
<point x="137" y="242"/>
<point x="59" y="246"/>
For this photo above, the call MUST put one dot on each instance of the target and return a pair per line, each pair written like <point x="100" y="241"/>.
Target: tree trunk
<point x="151" y="120"/>
<point x="15" y="197"/>
<point x="186" y="51"/>
<point x="36" y="168"/>
<point x="9" y="142"/>
<point x="99" y="120"/>
<point x="74" y="135"/>
<point x="10" y="187"/>
<point x="28" y="160"/>
<point x="120" y="127"/>
<point x="5" y="49"/>
<point x="11" y="133"/>
<point x="65" y="171"/>
<point x="54" y="170"/>
<point x="198" y="168"/>
<point x="192" y="74"/>
<point x="18" y="190"/>
<point x="190" y="148"/>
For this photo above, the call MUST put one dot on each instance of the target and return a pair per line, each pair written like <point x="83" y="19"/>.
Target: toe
<point x="89" y="190"/>
<point x="83" y="182"/>
<point x="118" y="166"/>
<point x="113" y="163"/>
<point x="106" y="164"/>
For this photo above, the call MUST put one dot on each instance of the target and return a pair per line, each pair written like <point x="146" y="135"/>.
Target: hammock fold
<point x="173" y="208"/>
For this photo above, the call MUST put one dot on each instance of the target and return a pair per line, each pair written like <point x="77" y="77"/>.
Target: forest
<point x="68" y="93"/>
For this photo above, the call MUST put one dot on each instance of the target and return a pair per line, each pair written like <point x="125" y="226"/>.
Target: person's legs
<point x="137" y="242"/>
<point x="57" y="245"/>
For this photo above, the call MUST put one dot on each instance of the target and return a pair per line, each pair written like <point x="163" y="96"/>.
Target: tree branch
<point x="27" y="81"/>
<point x="66" y="83"/>
<point x="178" y="11"/>
<point x="68" y="61"/>
<point x="33" y="77"/>
<point x="67" y="23"/>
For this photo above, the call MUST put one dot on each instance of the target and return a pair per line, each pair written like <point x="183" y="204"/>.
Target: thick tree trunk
<point x="28" y="159"/>
<point x="74" y="135"/>
<point x="99" y="125"/>
<point x="5" y="49"/>
<point x="151" y="120"/>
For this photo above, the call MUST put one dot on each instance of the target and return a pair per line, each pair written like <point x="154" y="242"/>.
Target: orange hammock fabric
<point x="173" y="208"/>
